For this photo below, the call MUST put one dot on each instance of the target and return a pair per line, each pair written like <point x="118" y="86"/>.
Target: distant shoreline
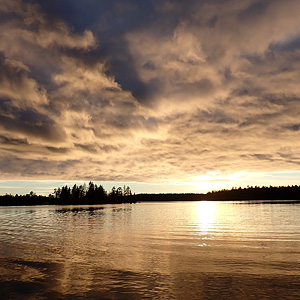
<point x="97" y="195"/>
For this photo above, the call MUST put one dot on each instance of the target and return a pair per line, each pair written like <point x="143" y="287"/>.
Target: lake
<point x="171" y="250"/>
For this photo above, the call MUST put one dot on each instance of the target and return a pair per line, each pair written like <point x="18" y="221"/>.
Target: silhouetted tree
<point x="65" y="194"/>
<point x="127" y="191"/>
<point x="113" y="192"/>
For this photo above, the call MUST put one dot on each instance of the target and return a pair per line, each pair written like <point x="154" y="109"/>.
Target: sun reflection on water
<point x="206" y="212"/>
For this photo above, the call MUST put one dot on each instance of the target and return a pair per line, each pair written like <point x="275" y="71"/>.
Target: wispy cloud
<point x="179" y="91"/>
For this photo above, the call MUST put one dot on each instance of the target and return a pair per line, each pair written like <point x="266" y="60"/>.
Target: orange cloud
<point x="209" y="87"/>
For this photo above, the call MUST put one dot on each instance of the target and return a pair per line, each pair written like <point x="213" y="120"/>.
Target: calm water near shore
<point x="175" y="250"/>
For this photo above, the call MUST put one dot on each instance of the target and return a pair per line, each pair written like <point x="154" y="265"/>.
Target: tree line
<point x="248" y="193"/>
<point x="94" y="194"/>
<point x="257" y="193"/>
<point x="78" y="194"/>
<point x="91" y="194"/>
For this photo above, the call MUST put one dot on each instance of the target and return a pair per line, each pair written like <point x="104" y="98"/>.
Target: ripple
<point x="155" y="250"/>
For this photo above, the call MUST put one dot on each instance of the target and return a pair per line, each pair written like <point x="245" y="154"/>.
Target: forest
<point x="248" y="193"/>
<point x="94" y="194"/>
<point x="78" y="194"/>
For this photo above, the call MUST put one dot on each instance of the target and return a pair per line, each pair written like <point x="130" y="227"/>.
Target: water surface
<point x="175" y="250"/>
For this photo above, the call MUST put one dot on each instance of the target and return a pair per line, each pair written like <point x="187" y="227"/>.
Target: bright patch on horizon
<point x="215" y="180"/>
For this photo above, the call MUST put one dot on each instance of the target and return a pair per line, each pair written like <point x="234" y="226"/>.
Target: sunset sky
<point x="164" y="96"/>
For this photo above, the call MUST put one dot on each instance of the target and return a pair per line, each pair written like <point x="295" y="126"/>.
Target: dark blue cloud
<point x="106" y="17"/>
<point x="293" y="127"/>
<point x="292" y="44"/>
<point x="255" y="10"/>
<point x="110" y="21"/>
<point x="31" y="127"/>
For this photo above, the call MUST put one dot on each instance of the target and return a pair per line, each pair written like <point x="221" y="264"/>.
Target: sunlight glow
<point x="206" y="211"/>
<point x="216" y="180"/>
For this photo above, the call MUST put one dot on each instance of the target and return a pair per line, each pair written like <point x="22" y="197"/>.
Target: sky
<point x="164" y="96"/>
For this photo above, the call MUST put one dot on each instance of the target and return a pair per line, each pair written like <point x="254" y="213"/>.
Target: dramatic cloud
<point x="148" y="91"/>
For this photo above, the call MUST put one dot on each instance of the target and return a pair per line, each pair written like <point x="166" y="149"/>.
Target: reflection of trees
<point x="76" y="210"/>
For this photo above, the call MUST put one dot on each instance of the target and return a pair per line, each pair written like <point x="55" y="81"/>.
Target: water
<point x="175" y="250"/>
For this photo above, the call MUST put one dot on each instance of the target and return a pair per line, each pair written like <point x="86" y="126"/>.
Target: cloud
<point x="31" y="128"/>
<point x="148" y="92"/>
<point x="17" y="85"/>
